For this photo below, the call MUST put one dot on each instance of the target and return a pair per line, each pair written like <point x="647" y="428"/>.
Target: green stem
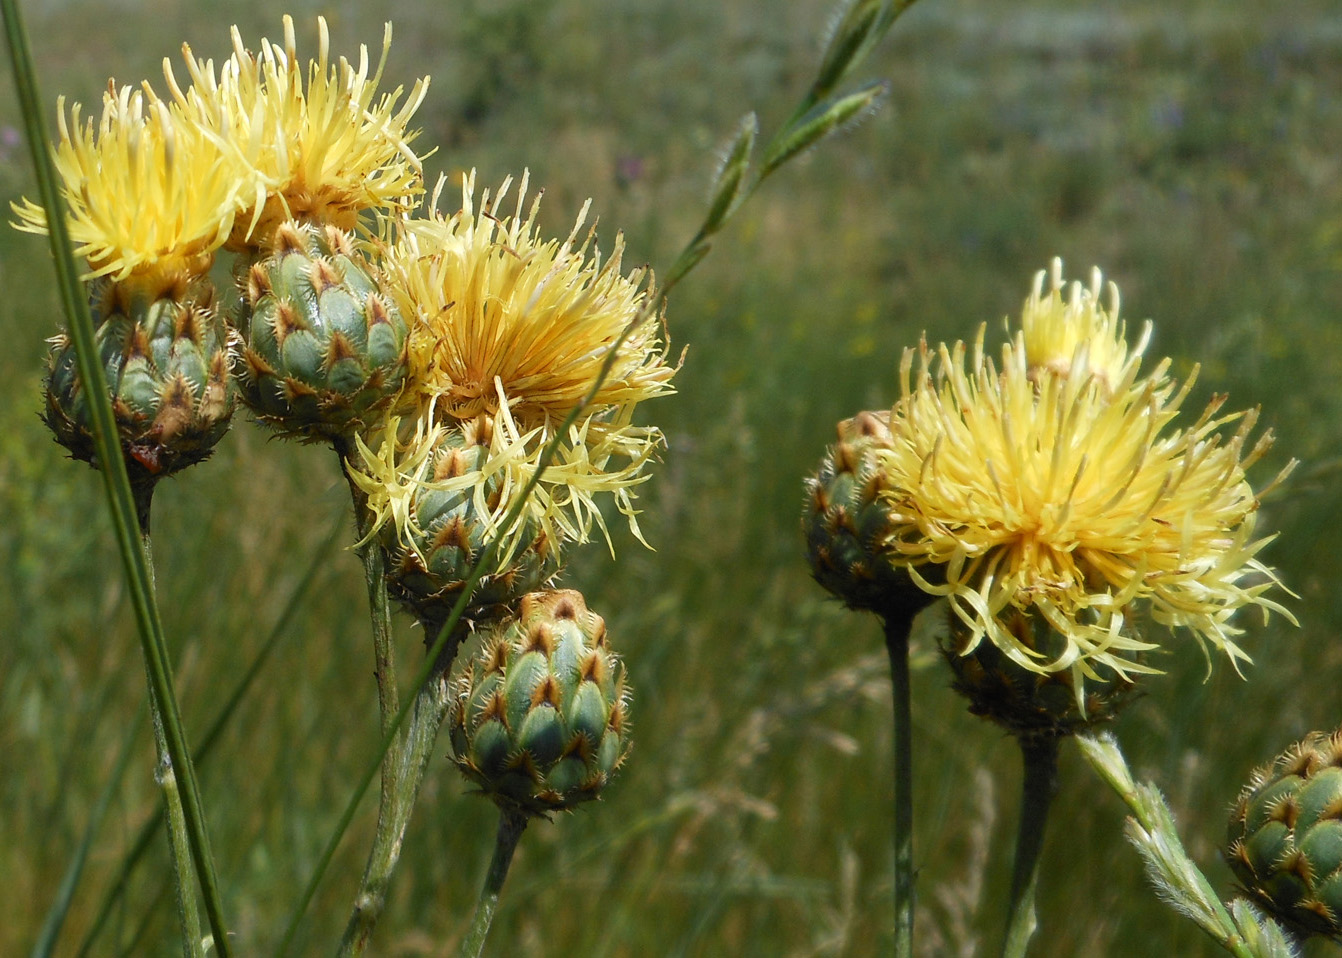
<point x="511" y="825"/>
<point x="112" y="468"/>
<point x="1039" y="755"/>
<point x="400" y="790"/>
<point x="897" y="627"/>
<point x="117" y="887"/>
<point x="188" y="908"/>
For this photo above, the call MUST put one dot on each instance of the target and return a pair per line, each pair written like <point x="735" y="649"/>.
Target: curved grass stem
<point x="1039" y="756"/>
<point x="112" y="468"/>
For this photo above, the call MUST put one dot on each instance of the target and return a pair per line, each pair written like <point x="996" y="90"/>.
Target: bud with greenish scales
<point x="323" y="348"/>
<point x="433" y="556"/>
<point x="165" y="352"/>
<point x="847" y="526"/>
<point x="1284" y="842"/>
<point x="1025" y="702"/>
<point x="539" y="720"/>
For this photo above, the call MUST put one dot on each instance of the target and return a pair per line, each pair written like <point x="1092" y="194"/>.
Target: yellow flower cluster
<point x="503" y="323"/>
<point x="1059" y="485"/>
<point x="508" y="325"/>
<point x="156" y="186"/>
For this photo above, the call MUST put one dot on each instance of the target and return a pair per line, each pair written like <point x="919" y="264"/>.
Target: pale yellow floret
<point x="490" y="299"/>
<point x="1075" y="498"/>
<point x="322" y="143"/>
<point x="1077" y="335"/>
<point x="151" y="196"/>
<point x="564" y="505"/>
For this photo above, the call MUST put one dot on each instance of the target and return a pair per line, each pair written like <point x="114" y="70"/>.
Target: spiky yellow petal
<point x="325" y="148"/>
<point x="1077" y="335"/>
<point x="151" y="195"/>
<point x="1074" y="497"/>
<point x="493" y="300"/>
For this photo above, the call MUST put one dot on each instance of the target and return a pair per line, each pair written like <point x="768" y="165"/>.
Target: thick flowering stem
<point x="1039" y="754"/>
<point x="399" y="792"/>
<point x="511" y="825"/>
<point x="897" y="627"/>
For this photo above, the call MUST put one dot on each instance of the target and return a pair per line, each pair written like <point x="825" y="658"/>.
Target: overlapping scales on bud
<point x="539" y="719"/>
<point x="438" y="500"/>
<point x="1026" y="702"/>
<point x="151" y="199"/>
<point x="1065" y="495"/>
<point x="323" y="346"/>
<point x="166" y="359"/>
<point x="509" y="325"/>
<point x="848" y="527"/>
<point x="1285" y="836"/>
<point x="323" y="146"/>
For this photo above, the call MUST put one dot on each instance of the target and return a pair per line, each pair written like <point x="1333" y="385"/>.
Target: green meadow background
<point x="1192" y="150"/>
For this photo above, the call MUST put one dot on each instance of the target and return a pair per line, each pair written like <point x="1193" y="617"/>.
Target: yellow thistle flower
<point x="324" y="150"/>
<point x="1073" y="497"/>
<point x="151" y="195"/>
<point x="491" y="300"/>
<point x="1077" y="335"/>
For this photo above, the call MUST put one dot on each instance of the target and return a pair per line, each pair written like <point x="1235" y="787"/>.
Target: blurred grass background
<point x="1191" y="148"/>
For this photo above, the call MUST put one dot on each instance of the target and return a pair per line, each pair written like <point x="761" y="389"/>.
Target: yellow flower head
<point x="1074" y="498"/>
<point x="1077" y="335"/>
<point x="324" y="150"/>
<point x="492" y="302"/>
<point x="151" y="195"/>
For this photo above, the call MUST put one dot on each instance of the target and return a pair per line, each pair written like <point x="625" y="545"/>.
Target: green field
<point x="1192" y="149"/>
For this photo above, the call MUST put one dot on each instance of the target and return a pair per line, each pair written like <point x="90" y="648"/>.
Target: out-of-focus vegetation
<point x="1191" y="149"/>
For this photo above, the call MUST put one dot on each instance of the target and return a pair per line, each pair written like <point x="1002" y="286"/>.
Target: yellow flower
<point x="1077" y="335"/>
<point x="490" y="299"/>
<point x="151" y="195"/>
<point x="1073" y="497"/>
<point x="507" y="325"/>
<point x="323" y="150"/>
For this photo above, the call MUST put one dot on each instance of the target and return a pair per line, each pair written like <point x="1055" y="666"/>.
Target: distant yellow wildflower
<point x="493" y="301"/>
<point x="151" y="196"/>
<point x="323" y="150"/>
<point x="1073" y="497"/>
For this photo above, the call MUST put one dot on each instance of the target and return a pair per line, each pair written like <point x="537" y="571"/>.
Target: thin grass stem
<point x="280" y="630"/>
<point x="112" y="467"/>
<point x="60" y="907"/>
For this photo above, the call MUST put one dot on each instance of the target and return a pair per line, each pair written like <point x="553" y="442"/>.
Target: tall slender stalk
<point x="112" y="468"/>
<point x="188" y="907"/>
<point x="897" y="628"/>
<point x="1039" y="755"/>
<point x="400" y="790"/>
<point x="511" y="825"/>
